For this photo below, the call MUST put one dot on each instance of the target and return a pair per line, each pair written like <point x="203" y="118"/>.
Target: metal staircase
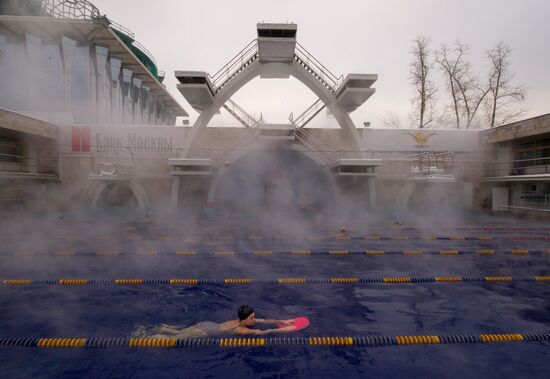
<point x="241" y="115"/>
<point x="315" y="146"/>
<point x="238" y="63"/>
<point x="316" y="68"/>
<point x="307" y="115"/>
<point x="249" y="54"/>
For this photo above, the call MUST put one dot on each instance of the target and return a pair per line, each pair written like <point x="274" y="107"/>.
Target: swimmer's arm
<point x="257" y="332"/>
<point x="266" y="321"/>
<point x="272" y="321"/>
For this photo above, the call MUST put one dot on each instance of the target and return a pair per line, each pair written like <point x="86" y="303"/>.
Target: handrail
<point x="122" y="29"/>
<point x="524" y="208"/>
<point x="245" y="118"/>
<point x="238" y="58"/>
<point x="519" y="160"/>
<point x="111" y="158"/>
<point x="513" y="168"/>
<point x="321" y="69"/>
<point x="318" y="147"/>
<point x="299" y="121"/>
<point x="309" y="145"/>
<point x="236" y="144"/>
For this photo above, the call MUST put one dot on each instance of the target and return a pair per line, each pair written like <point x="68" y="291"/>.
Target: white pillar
<point x="115" y="65"/>
<point x="372" y="192"/>
<point x="125" y="88"/>
<point x="68" y="50"/>
<point x="136" y="101"/>
<point x="101" y="53"/>
<point x="174" y="195"/>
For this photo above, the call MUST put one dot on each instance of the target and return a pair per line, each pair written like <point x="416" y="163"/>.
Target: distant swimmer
<point x="343" y="232"/>
<point x="247" y="320"/>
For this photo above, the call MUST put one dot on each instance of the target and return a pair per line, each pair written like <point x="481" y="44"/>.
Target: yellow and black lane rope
<point x="303" y="252"/>
<point x="240" y="342"/>
<point x="281" y="280"/>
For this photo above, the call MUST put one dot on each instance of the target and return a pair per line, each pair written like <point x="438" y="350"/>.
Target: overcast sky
<point x="363" y="36"/>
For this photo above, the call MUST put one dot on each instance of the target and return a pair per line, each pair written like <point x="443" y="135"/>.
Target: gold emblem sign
<point x="421" y="138"/>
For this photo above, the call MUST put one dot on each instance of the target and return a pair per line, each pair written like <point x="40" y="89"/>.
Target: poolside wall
<point x="82" y="147"/>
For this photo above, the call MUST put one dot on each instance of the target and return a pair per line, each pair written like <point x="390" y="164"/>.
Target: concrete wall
<point x="151" y="146"/>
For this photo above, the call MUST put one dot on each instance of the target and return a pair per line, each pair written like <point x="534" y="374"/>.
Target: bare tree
<point x="391" y="120"/>
<point x="420" y="71"/>
<point x="504" y="97"/>
<point x="452" y="65"/>
<point x="466" y="93"/>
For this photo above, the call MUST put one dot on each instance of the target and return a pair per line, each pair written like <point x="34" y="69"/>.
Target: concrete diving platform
<point x="356" y="167"/>
<point x="187" y="166"/>
<point x="355" y="90"/>
<point x="196" y="87"/>
<point x="276" y="42"/>
<point x="277" y="132"/>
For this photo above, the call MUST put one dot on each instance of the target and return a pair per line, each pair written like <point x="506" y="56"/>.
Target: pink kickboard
<point x="299" y="323"/>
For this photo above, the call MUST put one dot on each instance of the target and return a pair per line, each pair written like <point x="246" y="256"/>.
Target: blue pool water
<point x="368" y="309"/>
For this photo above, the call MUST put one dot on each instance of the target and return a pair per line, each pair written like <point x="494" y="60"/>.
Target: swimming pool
<point x="101" y="250"/>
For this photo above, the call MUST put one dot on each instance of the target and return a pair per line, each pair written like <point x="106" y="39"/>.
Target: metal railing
<point x="307" y="115"/>
<point x="531" y="166"/>
<point x="43" y="164"/>
<point x="72" y="9"/>
<point x="122" y="29"/>
<point x="241" y="115"/>
<point x="324" y="74"/>
<point x="428" y="163"/>
<point x="248" y="54"/>
<point x="113" y="162"/>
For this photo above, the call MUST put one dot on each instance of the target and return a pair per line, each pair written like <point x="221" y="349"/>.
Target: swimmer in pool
<point x="247" y="319"/>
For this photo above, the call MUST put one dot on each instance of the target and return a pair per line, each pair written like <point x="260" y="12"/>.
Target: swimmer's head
<point x="246" y="315"/>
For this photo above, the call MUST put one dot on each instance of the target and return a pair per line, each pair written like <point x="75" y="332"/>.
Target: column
<point x="372" y="192"/>
<point x="68" y="50"/>
<point x="174" y="195"/>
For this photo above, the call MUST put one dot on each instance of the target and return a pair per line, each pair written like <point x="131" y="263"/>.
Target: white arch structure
<point x="279" y="69"/>
<point x="103" y="185"/>
<point x="274" y="54"/>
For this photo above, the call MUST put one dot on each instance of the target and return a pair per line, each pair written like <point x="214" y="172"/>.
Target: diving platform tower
<point x="276" y="53"/>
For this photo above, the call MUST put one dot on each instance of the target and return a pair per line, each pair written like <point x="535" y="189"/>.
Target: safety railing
<point x="119" y="161"/>
<point x="306" y="116"/>
<point x="235" y="65"/>
<point x="316" y="68"/>
<point x="241" y="115"/>
<point x="237" y="144"/>
<point x="314" y="145"/>
<point x="43" y="164"/>
<point x="532" y="166"/>
<point x="428" y="163"/>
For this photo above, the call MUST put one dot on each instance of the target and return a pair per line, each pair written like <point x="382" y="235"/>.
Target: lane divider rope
<point x="281" y="252"/>
<point x="293" y="280"/>
<point x="221" y="240"/>
<point x="341" y="341"/>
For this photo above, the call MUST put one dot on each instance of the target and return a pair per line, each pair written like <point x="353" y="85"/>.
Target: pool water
<point x="352" y="309"/>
